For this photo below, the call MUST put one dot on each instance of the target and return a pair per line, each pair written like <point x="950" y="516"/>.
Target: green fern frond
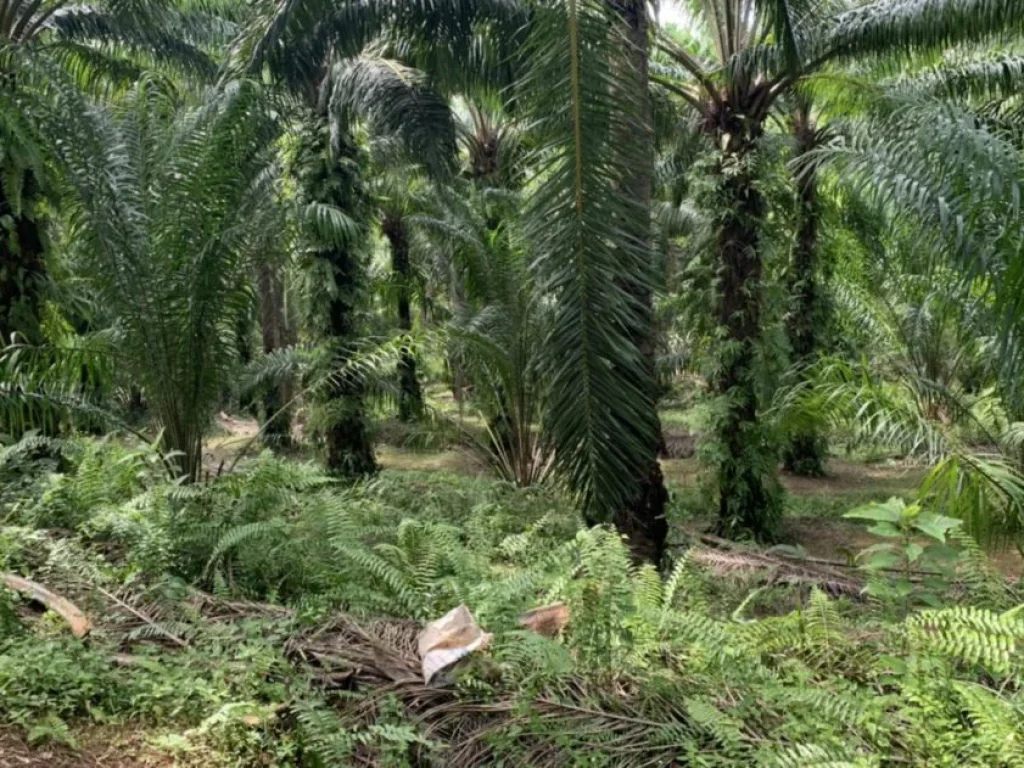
<point x="970" y="634"/>
<point x="997" y="724"/>
<point x="809" y="756"/>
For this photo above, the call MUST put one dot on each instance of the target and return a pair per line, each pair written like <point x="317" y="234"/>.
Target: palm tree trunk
<point x="330" y="175"/>
<point x="807" y="450"/>
<point x="643" y="521"/>
<point x="21" y="264"/>
<point x="349" y="447"/>
<point x="410" y="396"/>
<point x="272" y="327"/>
<point x="246" y="403"/>
<point x="748" y="504"/>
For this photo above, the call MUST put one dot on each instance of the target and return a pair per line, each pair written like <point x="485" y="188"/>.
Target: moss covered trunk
<point x="274" y="336"/>
<point x="410" y="396"/>
<point x="746" y="459"/>
<point x="807" y="450"/>
<point x="347" y="436"/>
<point x="21" y="261"/>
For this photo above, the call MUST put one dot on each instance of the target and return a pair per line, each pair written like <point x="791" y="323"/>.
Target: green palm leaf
<point x="579" y="224"/>
<point x="888" y="29"/>
<point x="169" y="208"/>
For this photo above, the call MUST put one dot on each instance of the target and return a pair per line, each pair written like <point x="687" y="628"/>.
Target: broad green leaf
<point x="935" y="525"/>
<point x="890" y="511"/>
<point x="913" y="551"/>
<point x="880" y="560"/>
<point x="885" y="529"/>
<point x="903" y="587"/>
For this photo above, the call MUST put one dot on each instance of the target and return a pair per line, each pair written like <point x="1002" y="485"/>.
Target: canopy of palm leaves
<point x="167" y="233"/>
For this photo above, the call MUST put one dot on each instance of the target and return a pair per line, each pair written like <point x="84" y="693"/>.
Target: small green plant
<point x="44" y="682"/>
<point x="903" y="568"/>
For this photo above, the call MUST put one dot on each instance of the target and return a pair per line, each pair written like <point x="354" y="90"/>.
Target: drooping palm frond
<point x="874" y="411"/>
<point x="992" y="77"/>
<point x="985" y="490"/>
<point x="297" y="38"/>
<point x="954" y="180"/>
<point x="451" y="234"/>
<point x="939" y="165"/>
<point x="975" y="476"/>
<point x="168" y="208"/>
<point x="109" y="43"/>
<point x="154" y="32"/>
<point x="68" y="381"/>
<point x="578" y="223"/>
<point x="894" y="29"/>
<point x="397" y="100"/>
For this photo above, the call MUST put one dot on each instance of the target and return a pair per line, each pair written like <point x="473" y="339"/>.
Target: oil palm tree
<point x="933" y="155"/>
<point x="807" y="449"/>
<point x="334" y="221"/>
<point x="989" y="78"/>
<point x="579" y="73"/>
<point x="399" y="190"/>
<point x="495" y="334"/>
<point x="170" y="209"/>
<point x="642" y="518"/>
<point x="588" y="224"/>
<point x="349" y="63"/>
<point x="762" y="50"/>
<point x="49" y="44"/>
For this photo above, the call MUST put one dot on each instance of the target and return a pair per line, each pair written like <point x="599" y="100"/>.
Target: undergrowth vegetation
<point x="691" y="667"/>
<point x="718" y="299"/>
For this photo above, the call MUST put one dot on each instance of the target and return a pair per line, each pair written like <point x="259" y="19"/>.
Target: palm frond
<point x="167" y="229"/>
<point x="996" y="77"/>
<point x="296" y="39"/>
<point x="906" y="28"/>
<point x="600" y="412"/>
<point x="154" y="31"/>
<point x="396" y="99"/>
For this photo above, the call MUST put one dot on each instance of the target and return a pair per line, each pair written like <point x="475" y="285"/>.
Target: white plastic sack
<point x="448" y="639"/>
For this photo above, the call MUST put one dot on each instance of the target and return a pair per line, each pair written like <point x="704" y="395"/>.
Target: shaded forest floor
<point x="814" y="507"/>
<point x="99" y="747"/>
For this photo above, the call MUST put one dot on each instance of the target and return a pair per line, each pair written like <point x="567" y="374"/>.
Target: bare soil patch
<point x="108" y="747"/>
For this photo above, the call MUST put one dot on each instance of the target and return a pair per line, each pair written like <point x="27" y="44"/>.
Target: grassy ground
<point x="814" y="507"/>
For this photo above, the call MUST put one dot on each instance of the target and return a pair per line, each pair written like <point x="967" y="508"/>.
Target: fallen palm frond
<point x="377" y="661"/>
<point x="149" y="622"/>
<point x="728" y="559"/>
<point x="372" y="653"/>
